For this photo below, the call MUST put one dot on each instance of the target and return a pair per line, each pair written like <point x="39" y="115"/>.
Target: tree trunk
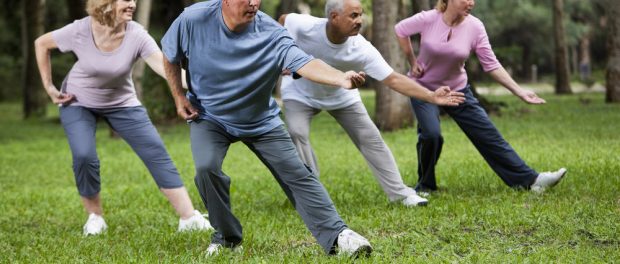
<point x="420" y="5"/>
<point x="143" y="18"/>
<point x="77" y="9"/>
<point x="35" y="98"/>
<point x="613" y="65"/>
<point x="562" y="75"/>
<point x="393" y="110"/>
<point x="287" y="6"/>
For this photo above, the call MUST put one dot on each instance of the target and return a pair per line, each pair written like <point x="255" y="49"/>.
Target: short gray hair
<point x="333" y="5"/>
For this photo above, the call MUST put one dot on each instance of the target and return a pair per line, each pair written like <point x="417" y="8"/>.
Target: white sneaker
<point x="547" y="179"/>
<point x="195" y="222"/>
<point x="353" y="244"/>
<point x="95" y="225"/>
<point x="216" y="249"/>
<point x="414" y="200"/>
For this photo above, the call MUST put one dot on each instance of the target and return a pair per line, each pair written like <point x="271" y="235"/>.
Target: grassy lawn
<point x="476" y="218"/>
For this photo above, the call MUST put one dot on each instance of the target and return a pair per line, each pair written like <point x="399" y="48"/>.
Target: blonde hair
<point x="442" y="5"/>
<point x="102" y="11"/>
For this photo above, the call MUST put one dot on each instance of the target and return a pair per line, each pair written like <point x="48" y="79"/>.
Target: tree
<point x="77" y="8"/>
<point x="613" y="47"/>
<point x="393" y="110"/>
<point x="285" y="7"/>
<point x="35" y="98"/>
<point x="562" y="73"/>
<point x="420" y="5"/>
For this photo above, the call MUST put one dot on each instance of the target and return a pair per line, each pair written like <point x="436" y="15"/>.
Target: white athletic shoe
<point x="423" y="194"/>
<point x="216" y="249"/>
<point x="95" y="225"/>
<point x="547" y="180"/>
<point x="195" y="222"/>
<point x="353" y="244"/>
<point x="414" y="200"/>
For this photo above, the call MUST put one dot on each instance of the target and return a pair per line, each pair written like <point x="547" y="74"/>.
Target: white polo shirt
<point x="356" y="54"/>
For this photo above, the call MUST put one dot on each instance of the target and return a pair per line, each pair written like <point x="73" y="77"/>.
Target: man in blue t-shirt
<point x="234" y="54"/>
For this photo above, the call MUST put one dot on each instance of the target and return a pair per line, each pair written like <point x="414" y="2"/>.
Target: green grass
<point x="476" y="218"/>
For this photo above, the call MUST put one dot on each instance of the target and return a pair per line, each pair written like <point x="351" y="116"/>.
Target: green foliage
<point x="157" y="99"/>
<point x="475" y="219"/>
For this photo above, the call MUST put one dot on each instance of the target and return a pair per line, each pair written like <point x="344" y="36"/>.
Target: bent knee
<point x="431" y="135"/>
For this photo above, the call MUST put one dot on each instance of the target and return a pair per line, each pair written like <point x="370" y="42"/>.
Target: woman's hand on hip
<point x="58" y="97"/>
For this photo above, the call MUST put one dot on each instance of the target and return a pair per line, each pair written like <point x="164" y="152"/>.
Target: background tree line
<point x="554" y="41"/>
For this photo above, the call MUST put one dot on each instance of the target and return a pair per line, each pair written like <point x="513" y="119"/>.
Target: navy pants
<point x="210" y="143"/>
<point x="475" y="122"/>
<point x="134" y="126"/>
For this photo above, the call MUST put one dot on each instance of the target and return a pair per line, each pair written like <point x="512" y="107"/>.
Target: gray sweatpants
<point x="134" y="126"/>
<point x="364" y="134"/>
<point x="210" y="143"/>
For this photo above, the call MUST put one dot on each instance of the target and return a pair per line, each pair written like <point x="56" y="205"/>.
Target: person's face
<point x="124" y="10"/>
<point x="242" y="11"/>
<point x="462" y="7"/>
<point x="349" y="21"/>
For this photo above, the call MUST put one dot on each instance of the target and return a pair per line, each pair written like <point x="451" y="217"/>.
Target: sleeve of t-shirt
<point x="148" y="46"/>
<point x="412" y="25"/>
<point x="291" y="56"/>
<point x="484" y="51"/>
<point x="65" y="36"/>
<point x="175" y="42"/>
<point x="292" y="22"/>
<point x="375" y="65"/>
<point x="295" y="23"/>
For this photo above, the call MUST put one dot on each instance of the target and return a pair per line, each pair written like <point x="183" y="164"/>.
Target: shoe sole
<point x="421" y="204"/>
<point x="559" y="179"/>
<point x="362" y="251"/>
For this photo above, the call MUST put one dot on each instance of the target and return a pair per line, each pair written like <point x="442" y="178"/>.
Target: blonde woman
<point x="448" y="35"/>
<point x="107" y="43"/>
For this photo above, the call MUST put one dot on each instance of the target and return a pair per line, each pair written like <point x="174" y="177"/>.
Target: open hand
<point x="530" y="97"/>
<point x="354" y="79"/>
<point x="444" y="96"/>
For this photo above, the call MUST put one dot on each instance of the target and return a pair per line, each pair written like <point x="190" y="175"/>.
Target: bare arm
<point x="173" y="75"/>
<point x="408" y="87"/>
<point x="318" y="71"/>
<point x="502" y="77"/>
<point x="155" y="62"/>
<point x="405" y="46"/>
<point x="43" y="46"/>
<point x="282" y="19"/>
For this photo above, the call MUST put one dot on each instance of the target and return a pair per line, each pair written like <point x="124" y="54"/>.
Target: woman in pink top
<point x="449" y="34"/>
<point x="107" y="43"/>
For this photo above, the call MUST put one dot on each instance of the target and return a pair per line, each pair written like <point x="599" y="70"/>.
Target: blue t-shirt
<point x="232" y="75"/>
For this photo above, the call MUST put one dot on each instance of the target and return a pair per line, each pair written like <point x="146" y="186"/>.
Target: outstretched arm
<point x="318" y="71"/>
<point x="42" y="47"/>
<point x="155" y="62"/>
<point x="173" y="75"/>
<point x="408" y="87"/>
<point x="502" y="77"/>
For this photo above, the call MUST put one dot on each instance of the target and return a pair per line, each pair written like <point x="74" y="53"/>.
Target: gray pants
<point x="134" y="126"/>
<point x="364" y="134"/>
<point x="210" y="143"/>
<point x="475" y="122"/>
